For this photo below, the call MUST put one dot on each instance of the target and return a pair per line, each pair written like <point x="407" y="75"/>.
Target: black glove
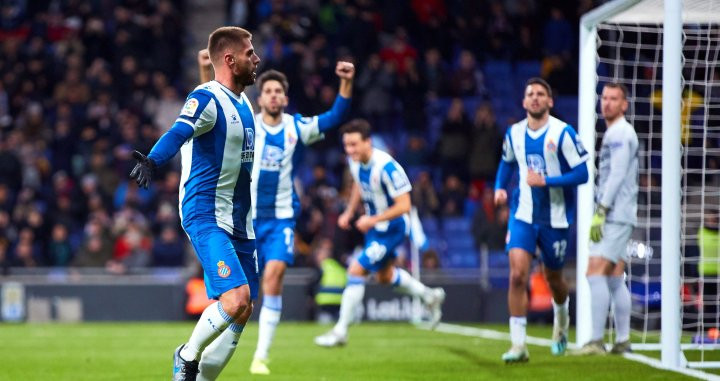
<point x="143" y="171"/>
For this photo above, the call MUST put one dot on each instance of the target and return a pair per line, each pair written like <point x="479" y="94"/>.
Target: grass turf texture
<point x="143" y="351"/>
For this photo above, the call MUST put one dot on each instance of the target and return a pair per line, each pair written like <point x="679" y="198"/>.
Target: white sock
<point x="599" y="305"/>
<point x="405" y="283"/>
<point x="212" y="323"/>
<point x="218" y="353"/>
<point x="351" y="298"/>
<point x="517" y="330"/>
<point x="562" y="315"/>
<point x="620" y="296"/>
<point x="269" y="318"/>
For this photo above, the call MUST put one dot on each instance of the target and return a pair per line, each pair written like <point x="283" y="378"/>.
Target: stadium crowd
<point x="85" y="83"/>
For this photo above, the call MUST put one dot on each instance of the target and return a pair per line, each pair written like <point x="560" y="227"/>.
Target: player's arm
<point x="353" y="202"/>
<point x="505" y="170"/>
<point x="576" y="157"/>
<point x="205" y="66"/>
<point x="398" y="187"/>
<point x="333" y="117"/>
<point x="620" y="157"/>
<point x="197" y="117"/>
<point x="400" y="206"/>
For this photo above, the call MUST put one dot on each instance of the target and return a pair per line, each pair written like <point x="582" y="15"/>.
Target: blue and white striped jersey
<point x="381" y="180"/>
<point x="280" y="150"/>
<point x="553" y="150"/>
<point x="217" y="161"/>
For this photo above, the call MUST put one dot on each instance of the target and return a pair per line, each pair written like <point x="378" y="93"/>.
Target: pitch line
<point x="498" y="335"/>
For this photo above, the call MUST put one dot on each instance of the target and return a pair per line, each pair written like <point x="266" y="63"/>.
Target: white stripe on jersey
<point x="378" y="188"/>
<point x="276" y="199"/>
<point x="548" y="163"/>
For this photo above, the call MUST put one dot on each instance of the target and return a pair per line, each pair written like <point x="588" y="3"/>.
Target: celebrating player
<point x="613" y="222"/>
<point x="381" y="183"/>
<point x="280" y="140"/>
<point x="216" y="131"/>
<point x="551" y="163"/>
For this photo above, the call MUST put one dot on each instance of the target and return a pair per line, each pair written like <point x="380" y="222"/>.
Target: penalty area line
<point x="492" y="334"/>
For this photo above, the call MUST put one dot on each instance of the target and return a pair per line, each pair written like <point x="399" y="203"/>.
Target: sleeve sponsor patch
<point x="190" y="107"/>
<point x="399" y="181"/>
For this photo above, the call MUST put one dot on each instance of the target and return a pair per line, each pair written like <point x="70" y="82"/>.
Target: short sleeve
<point x="572" y="148"/>
<point x="308" y="128"/>
<point x="395" y="179"/>
<point x="199" y="112"/>
<point x="508" y="154"/>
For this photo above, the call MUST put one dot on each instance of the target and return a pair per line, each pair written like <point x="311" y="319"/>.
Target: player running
<point x="551" y="163"/>
<point x="381" y="183"/>
<point x="215" y="136"/>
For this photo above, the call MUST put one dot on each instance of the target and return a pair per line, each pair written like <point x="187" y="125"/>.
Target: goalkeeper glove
<point x="598" y="221"/>
<point x="143" y="171"/>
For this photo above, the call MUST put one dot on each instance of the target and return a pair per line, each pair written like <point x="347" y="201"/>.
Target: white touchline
<point x="499" y="335"/>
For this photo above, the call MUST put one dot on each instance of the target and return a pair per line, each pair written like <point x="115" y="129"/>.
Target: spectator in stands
<point x="424" y="197"/>
<point x="169" y="250"/>
<point x="485" y="145"/>
<point x="489" y="223"/>
<point x="453" y="146"/>
<point x="452" y="197"/>
<point x="467" y="80"/>
<point x="376" y="82"/>
<point x="59" y="251"/>
<point x="708" y="266"/>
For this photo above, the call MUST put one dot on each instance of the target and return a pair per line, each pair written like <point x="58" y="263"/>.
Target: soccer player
<point x="613" y="222"/>
<point x="280" y="140"/>
<point x="551" y="163"/>
<point x="381" y="183"/>
<point x="215" y="135"/>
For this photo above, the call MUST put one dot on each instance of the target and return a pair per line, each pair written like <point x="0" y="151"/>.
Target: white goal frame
<point x="672" y="21"/>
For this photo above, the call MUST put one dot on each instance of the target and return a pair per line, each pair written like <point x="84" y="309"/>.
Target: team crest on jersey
<point x="551" y="147"/>
<point x="291" y="138"/>
<point x="190" y="107"/>
<point x="223" y="269"/>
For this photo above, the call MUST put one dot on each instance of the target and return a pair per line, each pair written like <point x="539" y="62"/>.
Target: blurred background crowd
<point x="84" y="83"/>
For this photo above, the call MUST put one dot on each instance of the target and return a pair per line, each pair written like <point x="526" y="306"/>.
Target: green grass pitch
<point x="143" y="351"/>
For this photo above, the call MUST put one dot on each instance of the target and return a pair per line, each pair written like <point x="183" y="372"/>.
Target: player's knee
<point x="237" y="303"/>
<point x="518" y="278"/>
<point x="385" y="277"/>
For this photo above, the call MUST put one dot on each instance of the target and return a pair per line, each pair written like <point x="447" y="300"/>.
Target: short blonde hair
<point x="223" y="38"/>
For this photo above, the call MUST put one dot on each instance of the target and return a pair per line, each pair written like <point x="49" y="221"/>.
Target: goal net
<point x="628" y="49"/>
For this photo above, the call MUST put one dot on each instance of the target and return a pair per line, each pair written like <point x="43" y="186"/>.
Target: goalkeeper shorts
<point x="613" y="245"/>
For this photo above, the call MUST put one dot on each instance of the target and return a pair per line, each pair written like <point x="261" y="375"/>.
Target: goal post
<point x="667" y="54"/>
<point x="587" y="100"/>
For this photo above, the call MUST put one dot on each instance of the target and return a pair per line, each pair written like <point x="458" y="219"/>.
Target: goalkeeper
<point x="613" y="222"/>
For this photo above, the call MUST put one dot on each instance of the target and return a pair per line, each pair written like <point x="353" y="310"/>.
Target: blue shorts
<point x="228" y="262"/>
<point x="380" y="248"/>
<point x="275" y="240"/>
<point x="553" y="242"/>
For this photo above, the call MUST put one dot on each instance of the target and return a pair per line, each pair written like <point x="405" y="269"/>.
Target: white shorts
<point x="613" y="245"/>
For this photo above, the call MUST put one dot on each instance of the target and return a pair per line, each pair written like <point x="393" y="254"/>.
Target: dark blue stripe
<point x="364" y="176"/>
<point x="568" y="192"/>
<point x="332" y="290"/>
